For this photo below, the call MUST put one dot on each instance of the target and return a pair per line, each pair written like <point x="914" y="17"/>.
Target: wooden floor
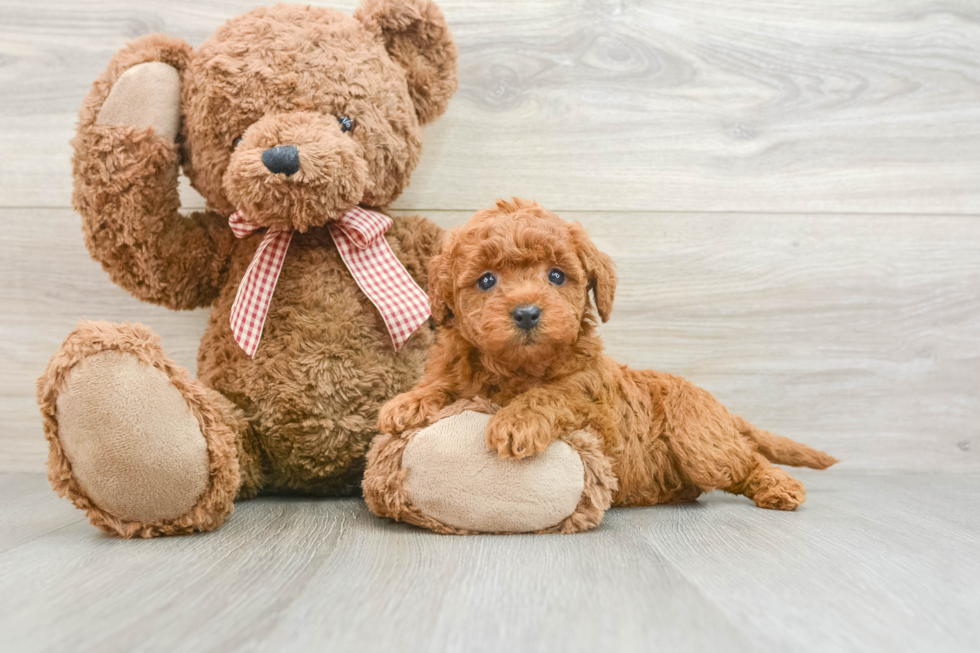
<point x="869" y="563"/>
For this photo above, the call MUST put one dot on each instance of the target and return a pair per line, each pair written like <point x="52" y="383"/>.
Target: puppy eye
<point x="346" y="124"/>
<point x="487" y="281"/>
<point x="556" y="276"/>
<point x="235" y="143"/>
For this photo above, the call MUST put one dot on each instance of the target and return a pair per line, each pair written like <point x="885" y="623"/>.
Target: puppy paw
<point x="516" y="434"/>
<point x="407" y="411"/>
<point x="787" y="494"/>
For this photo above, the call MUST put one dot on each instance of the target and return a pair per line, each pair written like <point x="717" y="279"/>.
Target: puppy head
<point x="514" y="282"/>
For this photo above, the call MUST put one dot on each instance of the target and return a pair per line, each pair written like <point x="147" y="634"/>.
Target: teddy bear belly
<point x="323" y="368"/>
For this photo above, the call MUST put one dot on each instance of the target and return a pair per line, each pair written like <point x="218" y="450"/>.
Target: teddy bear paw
<point x="146" y="95"/>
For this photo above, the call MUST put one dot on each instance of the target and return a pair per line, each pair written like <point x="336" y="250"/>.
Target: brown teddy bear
<point x="298" y="125"/>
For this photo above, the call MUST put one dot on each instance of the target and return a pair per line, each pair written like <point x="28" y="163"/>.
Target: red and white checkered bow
<point x="359" y="236"/>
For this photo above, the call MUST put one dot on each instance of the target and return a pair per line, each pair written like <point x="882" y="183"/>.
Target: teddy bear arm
<point x="173" y="262"/>
<point x="126" y="167"/>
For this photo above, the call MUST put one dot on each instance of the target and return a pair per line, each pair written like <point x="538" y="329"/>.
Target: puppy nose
<point x="526" y="316"/>
<point x="282" y="158"/>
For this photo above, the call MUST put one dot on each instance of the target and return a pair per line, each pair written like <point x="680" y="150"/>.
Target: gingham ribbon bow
<point x="359" y="237"/>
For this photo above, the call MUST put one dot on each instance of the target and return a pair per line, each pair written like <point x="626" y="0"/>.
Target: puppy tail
<point x="784" y="451"/>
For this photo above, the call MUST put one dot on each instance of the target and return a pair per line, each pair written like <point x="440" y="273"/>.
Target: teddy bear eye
<point x="346" y="124"/>
<point x="235" y="143"/>
<point x="487" y="281"/>
<point x="556" y="276"/>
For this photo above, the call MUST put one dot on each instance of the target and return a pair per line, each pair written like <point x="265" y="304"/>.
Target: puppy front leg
<point x="412" y="409"/>
<point x="530" y="423"/>
<point x="421" y="404"/>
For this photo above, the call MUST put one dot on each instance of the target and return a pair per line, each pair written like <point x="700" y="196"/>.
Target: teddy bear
<point x="299" y="126"/>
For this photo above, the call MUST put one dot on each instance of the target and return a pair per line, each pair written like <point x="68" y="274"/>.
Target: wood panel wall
<point x="791" y="191"/>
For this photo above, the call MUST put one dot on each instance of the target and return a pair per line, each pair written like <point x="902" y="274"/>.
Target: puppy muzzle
<point x="526" y="316"/>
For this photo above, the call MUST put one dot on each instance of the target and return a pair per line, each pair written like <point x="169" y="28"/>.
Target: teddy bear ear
<point x="417" y="38"/>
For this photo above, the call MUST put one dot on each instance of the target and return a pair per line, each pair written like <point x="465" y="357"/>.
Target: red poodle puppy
<point x="510" y="293"/>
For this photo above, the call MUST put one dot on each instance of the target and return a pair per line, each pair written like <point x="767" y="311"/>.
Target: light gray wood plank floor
<point x="869" y="563"/>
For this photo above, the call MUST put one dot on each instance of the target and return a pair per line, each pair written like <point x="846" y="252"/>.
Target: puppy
<point x="510" y="293"/>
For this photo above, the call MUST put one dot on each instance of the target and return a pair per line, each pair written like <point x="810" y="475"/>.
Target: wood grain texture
<point x="796" y="106"/>
<point x="859" y="335"/>
<point x="28" y="513"/>
<point x="869" y="563"/>
<point x="50" y="284"/>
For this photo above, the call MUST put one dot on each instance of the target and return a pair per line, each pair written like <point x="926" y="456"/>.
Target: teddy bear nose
<point x="282" y="158"/>
<point x="526" y="316"/>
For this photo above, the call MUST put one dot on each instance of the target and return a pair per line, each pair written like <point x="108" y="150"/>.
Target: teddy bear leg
<point x="445" y="478"/>
<point x="770" y="486"/>
<point x="134" y="441"/>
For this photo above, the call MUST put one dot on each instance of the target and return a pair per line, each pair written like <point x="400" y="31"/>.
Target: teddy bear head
<point x="296" y="114"/>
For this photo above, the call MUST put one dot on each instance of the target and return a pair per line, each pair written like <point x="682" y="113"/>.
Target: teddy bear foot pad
<point x="132" y="438"/>
<point x="446" y="478"/>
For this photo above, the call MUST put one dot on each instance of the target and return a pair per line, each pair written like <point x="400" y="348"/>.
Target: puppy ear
<point x="417" y="38"/>
<point x="441" y="282"/>
<point x="599" y="268"/>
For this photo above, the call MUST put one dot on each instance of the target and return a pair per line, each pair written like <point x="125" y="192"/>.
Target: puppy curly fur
<point x="668" y="440"/>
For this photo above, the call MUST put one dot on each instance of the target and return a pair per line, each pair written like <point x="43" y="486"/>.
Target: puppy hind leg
<point x="712" y="453"/>
<point x="770" y="486"/>
<point x="706" y="449"/>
